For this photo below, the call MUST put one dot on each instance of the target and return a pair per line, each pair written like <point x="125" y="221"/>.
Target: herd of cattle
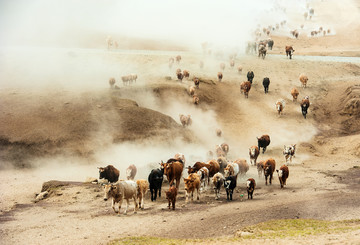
<point x="220" y="172"/>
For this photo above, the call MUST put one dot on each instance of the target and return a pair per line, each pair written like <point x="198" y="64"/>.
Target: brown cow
<point x="196" y="82"/>
<point x="280" y="104"/>
<point x="263" y="142"/>
<point x="225" y="148"/>
<point x="283" y="174"/>
<point x="250" y="187"/>
<point x="171" y="196"/>
<point x="186" y="74"/>
<point x="240" y="69"/>
<point x="253" y="153"/>
<point x="178" y="59"/>
<point x="220" y="76"/>
<point x="196" y="99"/>
<point x="245" y="88"/>
<point x="109" y="173"/>
<point x="269" y="168"/>
<point x="142" y="187"/>
<point x="173" y="171"/>
<point x="243" y="166"/>
<point x="131" y="172"/>
<point x="112" y="82"/>
<point x="260" y="167"/>
<point x="212" y="165"/>
<point x="192" y="183"/>
<point x="289" y="51"/>
<point x="191" y="90"/>
<point x="232" y="63"/>
<point x="219" y="151"/>
<point x="303" y="79"/>
<point x="294" y="94"/>
<point x="218" y="180"/>
<point x="185" y="120"/>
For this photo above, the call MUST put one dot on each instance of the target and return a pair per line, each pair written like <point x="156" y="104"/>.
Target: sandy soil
<point x="77" y="130"/>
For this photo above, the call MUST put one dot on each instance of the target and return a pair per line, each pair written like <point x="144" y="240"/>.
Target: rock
<point x="41" y="196"/>
<point x="91" y="180"/>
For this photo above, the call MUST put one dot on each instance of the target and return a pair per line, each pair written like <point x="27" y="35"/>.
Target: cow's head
<point x="187" y="182"/>
<point x="108" y="190"/>
<point x="102" y="173"/>
<point x="252" y="151"/>
<point x="227" y="184"/>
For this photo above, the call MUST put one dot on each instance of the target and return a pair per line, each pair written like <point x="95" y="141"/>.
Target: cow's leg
<point x="270" y="178"/>
<point x="169" y="203"/>
<point x="231" y="192"/>
<point x="152" y="194"/>
<point x="248" y="194"/>
<point x="142" y="201"/>
<point x="135" y="204"/>
<point x="186" y="196"/>
<point x="113" y="204"/>
<point x="173" y="203"/>
<point x="192" y="195"/>
<point x="159" y="192"/>
<point x="127" y="205"/>
<point x="266" y="179"/>
<point x="120" y="203"/>
<point x="198" y="194"/>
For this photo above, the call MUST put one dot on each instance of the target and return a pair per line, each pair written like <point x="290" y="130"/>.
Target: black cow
<point x="109" y="173"/>
<point x="250" y="76"/>
<point x="305" y="103"/>
<point x="155" y="180"/>
<point x="229" y="184"/>
<point x="263" y="142"/>
<point x="266" y="83"/>
<point x="250" y="186"/>
<point x="270" y="44"/>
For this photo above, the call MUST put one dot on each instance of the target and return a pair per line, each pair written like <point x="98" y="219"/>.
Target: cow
<point x="280" y="105"/>
<point x="204" y="177"/>
<point x="196" y="99"/>
<point x="178" y="59"/>
<point x="180" y="76"/>
<point x="179" y="157"/>
<point x="303" y="79"/>
<point x="219" y="151"/>
<point x="232" y="63"/>
<point x="191" y="90"/>
<point x="250" y="76"/>
<point x="294" y="93"/>
<point x="229" y="184"/>
<point x="185" y="120"/>
<point x="250" y="187"/>
<point x="192" y="183"/>
<point x="260" y="167"/>
<point x="222" y="163"/>
<point x="142" y="188"/>
<point x="222" y="66"/>
<point x="126" y="80"/>
<point x="112" y="82"/>
<point x="186" y="74"/>
<point x="131" y="172"/>
<point x="289" y="51"/>
<point x="305" y="104"/>
<point x="266" y="83"/>
<point x="155" y="180"/>
<point x="289" y="152"/>
<point x="173" y="171"/>
<point x="231" y="169"/>
<point x="217" y="180"/>
<point x="239" y="69"/>
<point x="213" y="167"/>
<point x="196" y="82"/>
<point x="218" y="132"/>
<point x="253" y="153"/>
<point x="263" y="142"/>
<point x="270" y="44"/>
<point x="245" y="88"/>
<point x="262" y="51"/>
<point x="283" y="174"/>
<point x="220" y="76"/>
<point x="121" y="190"/>
<point x="133" y="78"/>
<point x="171" y="196"/>
<point x="110" y="173"/>
<point x="269" y="168"/>
<point x="225" y="148"/>
<point x="243" y="166"/>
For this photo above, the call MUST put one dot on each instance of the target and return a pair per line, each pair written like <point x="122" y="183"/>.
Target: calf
<point x="294" y="94"/>
<point x="155" y="180"/>
<point x="142" y="188"/>
<point x="263" y="142"/>
<point x="171" y="196"/>
<point x="109" y="173"/>
<point x="303" y="79"/>
<point x="269" y="168"/>
<point x="266" y="83"/>
<point x="250" y="76"/>
<point x="245" y="88"/>
<point x="191" y="90"/>
<point x="253" y="153"/>
<point x="192" y="183"/>
<point x="217" y="181"/>
<point x="250" y="187"/>
<point x="131" y="172"/>
<point x="204" y="177"/>
<point x="305" y="104"/>
<point x="280" y="105"/>
<point x="289" y="152"/>
<point x="229" y="184"/>
<point x="186" y="74"/>
<point x="119" y="191"/>
<point x="283" y="174"/>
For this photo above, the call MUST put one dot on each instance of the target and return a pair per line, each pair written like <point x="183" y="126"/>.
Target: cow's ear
<point x="277" y="170"/>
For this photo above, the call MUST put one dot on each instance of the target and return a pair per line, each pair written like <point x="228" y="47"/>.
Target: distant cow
<point x="218" y="132"/>
<point x="155" y="180"/>
<point x="173" y="171"/>
<point x="196" y="99"/>
<point x="121" y="190"/>
<point x="245" y="88"/>
<point x="250" y="187"/>
<point x="294" y="94"/>
<point x="243" y="166"/>
<point x="270" y="44"/>
<point x="180" y="157"/>
<point x="185" y="120"/>
<point x="223" y="163"/>
<point x="289" y="152"/>
<point x="305" y="104"/>
<point x="263" y="142"/>
<point x="196" y="82"/>
<point x="225" y="148"/>
<point x="229" y="184"/>
<point x="280" y="105"/>
<point x="186" y="74"/>
<point x="213" y="167"/>
<point x="109" y="173"/>
<point x="191" y="90"/>
<point x="220" y="76"/>
<point x="142" y="188"/>
<point x="260" y="167"/>
<point x="289" y="51"/>
<point x="217" y="180"/>
<point x="283" y="174"/>
<point x="192" y="183"/>
<point x="232" y="63"/>
<point x="178" y="59"/>
<point x="250" y="76"/>
<point x="180" y="76"/>
<point x="266" y="83"/>
<point x="204" y="177"/>
<point x="239" y="69"/>
<point x="112" y="82"/>
<point x="171" y="196"/>
<point x="253" y="153"/>
<point x="269" y="168"/>
<point x="131" y="172"/>
<point x="303" y="79"/>
<point x="171" y="62"/>
<point x="262" y="51"/>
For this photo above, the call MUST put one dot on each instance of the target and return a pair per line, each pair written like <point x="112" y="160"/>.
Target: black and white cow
<point x="289" y="152"/>
<point x="230" y="184"/>
<point x="305" y="104"/>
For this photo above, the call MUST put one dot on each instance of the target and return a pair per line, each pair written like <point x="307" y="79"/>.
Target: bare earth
<point x="62" y="134"/>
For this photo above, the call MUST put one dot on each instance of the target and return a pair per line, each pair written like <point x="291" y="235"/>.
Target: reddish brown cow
<point x="253" y="153"/>
<point x="289" y="51"/>
<point x="196" y="99"/>
<point x="294" y="94"/>
<point x="283" y="174"/>
<point x="192" y="183"/>
<point x="142" y="187"/>
<point x="260" y="167"/>
<point x="269" y="168"/>
<point x="220" y="76"/>
<point x="225" y="147"/>
<point x="173" y="171"/>
<point x="212" y="165"/>
<point x="186" y="74"/>
<point x="245" y="88"/>
<point x="250" y="187"/>
<point x="196" y="82"/>
<point x="171" y="196"/>
<point x="303" y="79"/>
<point x="243" y="166"/>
